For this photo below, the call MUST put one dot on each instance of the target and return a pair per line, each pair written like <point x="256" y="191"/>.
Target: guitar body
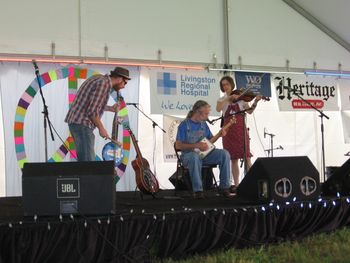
<point x="145" y="179"/>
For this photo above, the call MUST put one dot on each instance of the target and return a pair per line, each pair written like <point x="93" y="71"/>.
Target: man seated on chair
<point x="189" y="135"/>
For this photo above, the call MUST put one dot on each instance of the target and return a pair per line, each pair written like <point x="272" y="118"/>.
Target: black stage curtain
<point x="144" y="237"/>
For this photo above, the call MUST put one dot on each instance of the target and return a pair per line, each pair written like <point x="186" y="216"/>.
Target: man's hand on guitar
<point x="202" y="146"/>
<point x="103" y="133"/>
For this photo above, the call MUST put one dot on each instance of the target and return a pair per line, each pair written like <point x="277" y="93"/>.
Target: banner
<point x="295" y="92"/>
<point x="175" y="91"/>
<point x="170" y="125"/>
<point x="257" y="83"/>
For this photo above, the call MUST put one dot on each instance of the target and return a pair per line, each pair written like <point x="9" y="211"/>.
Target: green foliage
<point x="321" y="248"/>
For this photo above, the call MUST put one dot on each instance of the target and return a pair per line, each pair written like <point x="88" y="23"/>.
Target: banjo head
<point x="111" y="152"/>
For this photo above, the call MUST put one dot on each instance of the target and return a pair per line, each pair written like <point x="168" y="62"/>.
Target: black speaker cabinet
<point x="338" y="182"/>
<point x="281" y="179"/>
<point x="68" y="188"/>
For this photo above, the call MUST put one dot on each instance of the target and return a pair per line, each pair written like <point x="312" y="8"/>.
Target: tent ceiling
<point x="331" y="15"/>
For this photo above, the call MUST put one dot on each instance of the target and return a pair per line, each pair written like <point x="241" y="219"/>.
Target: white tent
<point x="269" y="35"/>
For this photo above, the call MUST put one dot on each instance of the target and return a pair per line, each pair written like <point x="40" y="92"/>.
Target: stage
<point x="172" y="224"/>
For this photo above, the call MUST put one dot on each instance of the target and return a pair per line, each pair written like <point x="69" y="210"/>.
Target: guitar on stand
<point x="145" y="179"/>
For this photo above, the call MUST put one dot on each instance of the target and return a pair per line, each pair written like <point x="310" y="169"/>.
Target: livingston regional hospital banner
<point x="321" y="92"/>
<point x="174" y="92"/>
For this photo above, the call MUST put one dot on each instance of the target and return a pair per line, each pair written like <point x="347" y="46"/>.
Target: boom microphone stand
<point x="45" y="110"/>
<point x="154" y="124"/>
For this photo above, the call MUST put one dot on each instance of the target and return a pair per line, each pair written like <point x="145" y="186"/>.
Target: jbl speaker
<point x="281" y="179"/>
<point x="68" y="188"/>
<point x="339" y="181"/>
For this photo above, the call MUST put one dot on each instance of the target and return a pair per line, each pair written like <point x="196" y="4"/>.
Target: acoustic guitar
<point x="145" y="179"/>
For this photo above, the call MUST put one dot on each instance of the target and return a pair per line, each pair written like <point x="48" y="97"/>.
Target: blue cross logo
<point x="166" y="83"/>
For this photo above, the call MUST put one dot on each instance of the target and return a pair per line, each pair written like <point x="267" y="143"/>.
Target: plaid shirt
<point x="91" y="99"/>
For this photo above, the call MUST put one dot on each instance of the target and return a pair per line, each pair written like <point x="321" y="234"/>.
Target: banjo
<point x="211" y="146"/>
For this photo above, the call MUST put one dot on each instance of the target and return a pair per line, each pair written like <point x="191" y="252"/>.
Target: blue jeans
<point x="84" y="140"/>
<point x="194" y="164"/>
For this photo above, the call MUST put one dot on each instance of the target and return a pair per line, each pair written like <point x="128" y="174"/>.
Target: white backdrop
<point x="15" y="79"/>
<point x="297" y="132"/>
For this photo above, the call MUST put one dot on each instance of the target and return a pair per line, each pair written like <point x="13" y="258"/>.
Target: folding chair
<point x="183" y="179"/>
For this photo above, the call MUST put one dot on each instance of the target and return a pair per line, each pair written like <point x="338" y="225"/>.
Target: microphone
<point x="264" y="132"/>
<point x="281" y="147"/>
<point x="132" y="103"/>
<point x="34" y="64"/>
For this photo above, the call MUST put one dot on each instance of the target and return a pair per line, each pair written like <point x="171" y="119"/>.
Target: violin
<point x="247" y="96"/>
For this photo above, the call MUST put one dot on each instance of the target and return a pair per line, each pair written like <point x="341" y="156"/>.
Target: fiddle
<point x="247" y="96"/>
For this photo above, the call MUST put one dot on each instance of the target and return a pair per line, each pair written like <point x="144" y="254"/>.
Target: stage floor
<point x="125" y="202"/>
<point x="172" y="224"/>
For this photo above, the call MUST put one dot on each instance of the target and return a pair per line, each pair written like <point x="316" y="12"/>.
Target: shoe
<point x="233" y="189"/>
<point x="226" y="192"/>
<point x="198" y="195"/>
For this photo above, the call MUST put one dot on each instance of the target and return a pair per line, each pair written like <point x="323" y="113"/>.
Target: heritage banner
<point x="297" y="92"/>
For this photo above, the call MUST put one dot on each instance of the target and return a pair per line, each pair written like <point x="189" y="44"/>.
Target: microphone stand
<point x="154" y="124"/>
<point x="322" y="131"/>
<point x="271" y="144"/>
<point x="45" y="110"/>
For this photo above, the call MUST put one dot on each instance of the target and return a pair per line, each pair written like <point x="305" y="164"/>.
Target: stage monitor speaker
<point x="280" y="179"/>
<point x="85" y="188"/>
<point x="338" y="182"/>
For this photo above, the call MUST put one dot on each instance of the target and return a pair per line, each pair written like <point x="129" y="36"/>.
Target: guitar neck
<point x="137" y="149"/>
<point x="227" y="125"/>
<point x="115" y="127"/>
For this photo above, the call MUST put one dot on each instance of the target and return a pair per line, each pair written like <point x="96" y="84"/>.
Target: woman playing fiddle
<point x="232" y="102"/>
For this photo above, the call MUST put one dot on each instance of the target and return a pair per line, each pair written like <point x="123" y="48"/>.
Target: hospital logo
<point x="166" y="83"/>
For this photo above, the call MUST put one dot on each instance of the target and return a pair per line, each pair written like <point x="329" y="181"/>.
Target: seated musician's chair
<point x="181" y="179"/>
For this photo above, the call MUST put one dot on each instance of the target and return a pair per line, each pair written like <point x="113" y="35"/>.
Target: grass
<point x="321" y="248"/>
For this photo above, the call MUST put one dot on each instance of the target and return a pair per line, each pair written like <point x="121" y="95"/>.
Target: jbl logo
<point x="68" y="188"/>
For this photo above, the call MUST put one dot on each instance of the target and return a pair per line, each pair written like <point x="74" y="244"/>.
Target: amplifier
<point x="85" y="188"/>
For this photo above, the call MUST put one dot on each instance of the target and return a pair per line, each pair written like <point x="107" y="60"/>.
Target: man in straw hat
<point x="87" y="108"/>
